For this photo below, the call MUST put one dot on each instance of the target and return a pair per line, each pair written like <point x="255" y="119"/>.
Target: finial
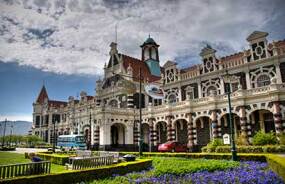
<point x="148" y="35"/>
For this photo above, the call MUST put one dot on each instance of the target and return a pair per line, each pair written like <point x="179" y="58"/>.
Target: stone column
<point x="222" y="86"/>
<point x="105" y="136"/>
<point x="249" y="128"/>
<point x="155" y="137"/>
<point x="247" y="78"/>
<point x="152" y="134"/>
<point x="214" y="124"/>
<point x="170" y="129"/>
<point x="243" y="121"/>
<point x="278" y="73"/>
<point x="190" y="143"/>
<point x="97" y="135"/>
<point x="277" y="117"/>
<point x="130" y="101"/>
<point x="200" y="95"/>
<point x="136" y="133"/>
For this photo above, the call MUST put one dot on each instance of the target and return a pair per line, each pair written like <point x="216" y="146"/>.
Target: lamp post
<point x="228" y="79"/>
<point x="140" y="113"/>
<point x="53" y="145"/>
<point x="89" y="135"/>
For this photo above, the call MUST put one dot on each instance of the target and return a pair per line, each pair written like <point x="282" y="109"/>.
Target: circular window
<point x="208" y="65"/>
<point x="258" y="50"/>
<point x="170" y="76"/>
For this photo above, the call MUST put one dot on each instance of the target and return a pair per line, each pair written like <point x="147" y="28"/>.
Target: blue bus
<point x="71" y="141"/>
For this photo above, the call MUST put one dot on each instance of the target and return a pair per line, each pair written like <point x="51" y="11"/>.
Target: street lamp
<point x="89" y="135"/>
<point x="228" y="79"/>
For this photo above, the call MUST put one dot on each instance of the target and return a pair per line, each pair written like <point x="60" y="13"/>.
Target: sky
<point x="65" y="43"/>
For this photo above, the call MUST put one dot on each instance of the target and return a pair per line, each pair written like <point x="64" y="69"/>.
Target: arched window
<point x="263" y="80"/>
<point x="211" y="88"/>
<point x="172" y="98"/>
<point x="113" y="103"/>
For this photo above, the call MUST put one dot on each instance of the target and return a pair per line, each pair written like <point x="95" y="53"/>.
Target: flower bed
<point x="246" y="172"/>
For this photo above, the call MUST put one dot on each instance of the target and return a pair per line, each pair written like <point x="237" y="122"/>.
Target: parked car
<point x="172" y="146"/>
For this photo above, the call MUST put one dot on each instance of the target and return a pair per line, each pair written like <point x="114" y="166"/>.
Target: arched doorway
<point x="181" y="131"/>
<point x="117" y="134"/>
<point x="145" y="133"/>
<point x="203" y="130"/>
<point x="225" y="124"/>
<point x="262" y="120"/>
<point x="161" y="132"/>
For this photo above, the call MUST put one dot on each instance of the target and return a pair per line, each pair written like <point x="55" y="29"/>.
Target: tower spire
<point x="116" y="33"/>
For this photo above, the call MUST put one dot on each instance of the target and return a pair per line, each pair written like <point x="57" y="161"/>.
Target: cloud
<point x="73" y="37"/>
<point x="17" y="117"/>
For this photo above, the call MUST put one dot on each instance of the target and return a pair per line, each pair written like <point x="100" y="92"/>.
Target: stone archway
<point x="145" y="133"/>
<point x="224" y="124"/>
<point x="262" y="120"/>
<point x="203" y="130"/>
<point x="181" y="131"/>
<point x="118" y="134"/>
<point x="161" y="132"/>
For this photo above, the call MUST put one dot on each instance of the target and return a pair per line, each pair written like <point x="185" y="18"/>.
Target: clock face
<point x="258" y="50"/>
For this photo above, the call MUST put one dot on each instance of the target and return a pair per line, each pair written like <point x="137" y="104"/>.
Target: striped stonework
<point x="277" y="116"/>
<point x="130" y="100"/>
<point x="190" y="132"/>
<point x="170" y="129"/>
<point x="214" y="124"/>
<point x="152" y="132"/>
<point x="96" y="134"/>
<point x="136" y="133"/>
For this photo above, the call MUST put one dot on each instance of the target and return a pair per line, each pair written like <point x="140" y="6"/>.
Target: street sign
<point x="226" y="138"/>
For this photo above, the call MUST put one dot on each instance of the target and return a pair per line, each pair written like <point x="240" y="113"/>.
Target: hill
<point x="18" y="127"/>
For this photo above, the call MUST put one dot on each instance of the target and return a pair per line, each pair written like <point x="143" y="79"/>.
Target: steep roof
<point x="168" y="64"/>
<point x="55" y="103"/>
<point x="256" y="34"/>
<point x="136" y="64"/>
<point x="42" y="96"/>
<point x="149" y="41"/>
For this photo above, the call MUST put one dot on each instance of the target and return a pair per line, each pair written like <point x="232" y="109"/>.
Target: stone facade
<point x="195" y="108"/>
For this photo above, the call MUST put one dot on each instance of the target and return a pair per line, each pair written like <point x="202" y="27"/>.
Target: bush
<point x="252" y="149"/>
<point x="242" y="140"/>
<point x="84" y="175"/>
<point x="211" y="146"/>
<point x="282" y="139"/>
<point x="277" y="164"/>
<point x="54" y="158"/>
<point x="261" y="138"/>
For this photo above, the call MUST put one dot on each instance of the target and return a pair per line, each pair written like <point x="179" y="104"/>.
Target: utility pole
<point x="89" y="135"/>
<point x="140" y="108"/>
<point x="11" y="131"/>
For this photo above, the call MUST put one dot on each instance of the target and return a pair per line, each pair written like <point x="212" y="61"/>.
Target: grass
<point x="172" y="166"/>
<point x="16" y="158"/>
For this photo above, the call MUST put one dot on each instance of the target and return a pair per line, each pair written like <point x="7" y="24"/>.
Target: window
<point x="172" y="98"/>
<point x="263" y="80"/>
<point x="210" y="89"/>
<point x="235" y="86"/>
<point x="113" y="103"/>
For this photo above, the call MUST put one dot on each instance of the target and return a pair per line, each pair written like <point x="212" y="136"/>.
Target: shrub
<point x="54" y="158"/>
<point x="211" y="146"/>
<point x="252" y="149"/>
<point x="261" y="138"/>
<point x="83" y="175"/>
<point x="282" y="139"/>
<point x="277" y="164"/>
<point x="242" y="140"/>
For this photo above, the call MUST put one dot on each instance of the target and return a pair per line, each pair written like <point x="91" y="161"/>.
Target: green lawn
<point x="16" y="158"/>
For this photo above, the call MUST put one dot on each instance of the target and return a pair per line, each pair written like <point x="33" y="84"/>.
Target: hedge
<point x="54" y="158"/>
<point x="226" y="156"/>
<point x="248" y="149"/>
<point x="277" y="164"/>
<point x="83" y="175"/>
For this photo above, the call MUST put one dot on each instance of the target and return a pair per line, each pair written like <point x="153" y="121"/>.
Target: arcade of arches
<point x="200" y="130"/>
